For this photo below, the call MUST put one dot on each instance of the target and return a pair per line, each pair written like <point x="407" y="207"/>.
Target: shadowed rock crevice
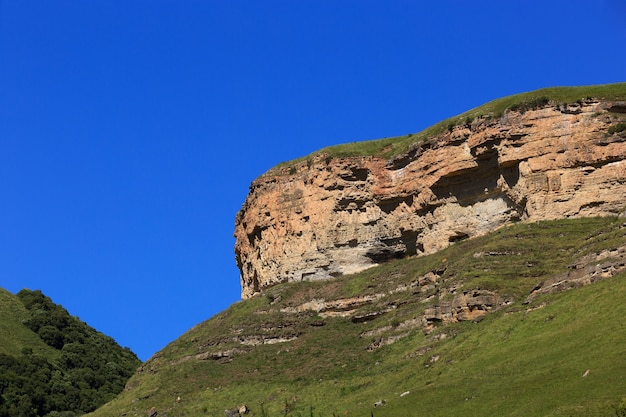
<point x="255" y="235"/>
<point x="406" y="158"/>
<point x="391" y="204"/>
<point x="409" y="240"/>
<point x="355" y="174"/>
<point x="350" y="204"/>
<point x="476" y="183"/>
<point x="388" y="250"/>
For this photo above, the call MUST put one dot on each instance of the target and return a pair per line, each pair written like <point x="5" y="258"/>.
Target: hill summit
<point x="554" y="153"/>
<point x="476" y="242"/>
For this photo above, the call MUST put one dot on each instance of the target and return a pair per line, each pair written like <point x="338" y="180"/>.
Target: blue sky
<point x="130" y="130"/>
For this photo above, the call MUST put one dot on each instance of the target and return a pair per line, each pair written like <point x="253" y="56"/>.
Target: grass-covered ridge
<point x="14" y="336"/>
<point x="390" y="147"/>
<point x="523" y="360"/>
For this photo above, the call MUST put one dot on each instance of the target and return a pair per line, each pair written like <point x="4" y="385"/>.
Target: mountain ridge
<point x="348" y="208"/>
<point x="437" y="334"/>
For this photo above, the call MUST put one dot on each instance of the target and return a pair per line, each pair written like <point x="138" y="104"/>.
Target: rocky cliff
<point x="327" y="216"/>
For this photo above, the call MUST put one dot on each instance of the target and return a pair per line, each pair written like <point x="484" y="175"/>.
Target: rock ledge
<point x="326" y="217"/>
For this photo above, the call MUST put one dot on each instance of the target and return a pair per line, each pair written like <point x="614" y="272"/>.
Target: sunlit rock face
<point x="322" y="217"/>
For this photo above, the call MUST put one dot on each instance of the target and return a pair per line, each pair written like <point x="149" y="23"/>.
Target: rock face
<point x="325" y="217"/>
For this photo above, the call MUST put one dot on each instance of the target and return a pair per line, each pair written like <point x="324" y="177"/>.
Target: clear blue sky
<point x="130" y="130"/>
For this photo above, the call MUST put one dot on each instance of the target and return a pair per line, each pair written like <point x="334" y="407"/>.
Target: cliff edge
<point x="325" y="216"/>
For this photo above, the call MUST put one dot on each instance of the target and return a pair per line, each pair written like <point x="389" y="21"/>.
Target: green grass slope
<point x="14" y="336"/>
<point x="392" y="146"/>
<point x="559" y="354"/>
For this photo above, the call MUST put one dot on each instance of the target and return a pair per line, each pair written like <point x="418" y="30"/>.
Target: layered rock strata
<point x="325" y="217"/>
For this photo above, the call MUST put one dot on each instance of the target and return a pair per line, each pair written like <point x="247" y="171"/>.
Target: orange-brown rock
<point x="325" y="217"/>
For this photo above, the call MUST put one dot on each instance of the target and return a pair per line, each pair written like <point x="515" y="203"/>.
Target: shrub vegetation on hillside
<point x="83" y="369"/>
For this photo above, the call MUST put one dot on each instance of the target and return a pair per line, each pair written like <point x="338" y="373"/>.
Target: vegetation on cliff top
<point x="51" y="363"/>
<point x="559" y="354"/>
<point x="392" y="146"/>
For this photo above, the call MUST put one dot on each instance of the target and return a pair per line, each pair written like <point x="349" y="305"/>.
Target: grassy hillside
<point x="14" y="336"/>
<point x="392" y="146"/>
<point x="557" y="354"/>
<point x="53" y="364"/>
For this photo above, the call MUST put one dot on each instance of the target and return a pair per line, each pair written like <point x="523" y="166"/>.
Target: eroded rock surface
<point x="325" y="217"/>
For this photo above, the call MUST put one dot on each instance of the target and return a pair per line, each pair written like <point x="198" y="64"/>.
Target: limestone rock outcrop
<point x="325" y="217"/>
